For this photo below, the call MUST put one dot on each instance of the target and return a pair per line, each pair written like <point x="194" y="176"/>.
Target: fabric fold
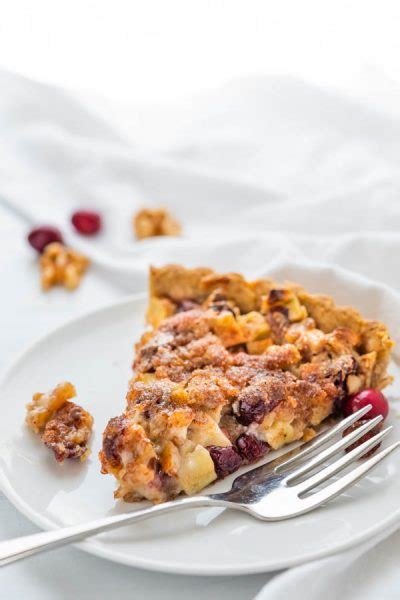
<point x="263" y="171"/>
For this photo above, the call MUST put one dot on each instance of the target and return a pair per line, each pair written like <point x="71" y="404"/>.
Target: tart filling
<point x="230" y="370"/>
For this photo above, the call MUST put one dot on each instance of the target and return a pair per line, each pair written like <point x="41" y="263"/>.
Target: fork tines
<point x="296" y="468"/>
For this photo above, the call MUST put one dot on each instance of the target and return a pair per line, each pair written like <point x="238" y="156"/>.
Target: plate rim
<point x="166" y="566"/>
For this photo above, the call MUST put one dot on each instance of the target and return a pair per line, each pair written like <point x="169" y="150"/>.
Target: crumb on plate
<point x="64" y="426"/>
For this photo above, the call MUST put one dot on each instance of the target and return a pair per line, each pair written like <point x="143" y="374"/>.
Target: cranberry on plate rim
<point x="380" y="405"/>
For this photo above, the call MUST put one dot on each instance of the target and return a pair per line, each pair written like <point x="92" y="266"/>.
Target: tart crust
<point x="176" y="283"/>
<point x="228" y="370"/>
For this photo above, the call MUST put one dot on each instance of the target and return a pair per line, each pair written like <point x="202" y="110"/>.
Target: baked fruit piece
<point x="229" y="370"/>
<point x="64" y="426"/>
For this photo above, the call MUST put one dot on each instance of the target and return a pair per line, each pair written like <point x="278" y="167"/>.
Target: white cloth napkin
<point x="265" y="169"/>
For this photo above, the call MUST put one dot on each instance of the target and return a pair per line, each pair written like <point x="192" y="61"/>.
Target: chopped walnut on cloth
<point x="60" y="265"/>
<point x="151" y="222"/>
<point x="64" y="426"/>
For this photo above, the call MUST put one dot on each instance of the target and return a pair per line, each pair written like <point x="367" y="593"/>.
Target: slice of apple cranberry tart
<point x="229" y="370"/>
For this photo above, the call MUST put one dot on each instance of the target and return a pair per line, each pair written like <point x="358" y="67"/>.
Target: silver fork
<point x="279" y="489"/>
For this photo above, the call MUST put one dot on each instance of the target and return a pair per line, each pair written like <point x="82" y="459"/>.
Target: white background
<point x="158" y="51"/>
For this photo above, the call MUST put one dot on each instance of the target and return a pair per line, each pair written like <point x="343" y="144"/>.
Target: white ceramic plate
<point x="95" y="353"/>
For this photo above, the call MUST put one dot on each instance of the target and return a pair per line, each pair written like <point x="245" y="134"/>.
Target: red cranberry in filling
<point x="161" y="481"/>
<point x="41" y="236"/>
<point x="250" y="447"/>
<point x="111" y="444"/>
<point x="380" y="405"/>
<point x="364" y="438"/>
<point x="226" y="460"/>
<point x="251" y="407"/>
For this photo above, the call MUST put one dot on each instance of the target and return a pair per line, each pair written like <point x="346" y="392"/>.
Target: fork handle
<point x="22" y="547"/>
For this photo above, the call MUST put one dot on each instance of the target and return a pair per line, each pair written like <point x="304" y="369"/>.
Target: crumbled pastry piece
<point x="64" y="426"/>
<point x="230" y="370"/>
<point x="128" y="453"/>
<point x="151" y="222"/>
<point x="60" y="265"/>
<point x="43" y="406"/>
<point x="309" y="434"/>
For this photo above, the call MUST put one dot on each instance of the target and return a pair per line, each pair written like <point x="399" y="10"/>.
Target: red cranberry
<point x="364" y="438"/>
<point x="41" y="236"/>
<point x="251" y="406"/>
<point x="380" y="405"/>
<point x="86" y="222"/>
<point x="250" y="447"/>
<point x="226" y="460"/>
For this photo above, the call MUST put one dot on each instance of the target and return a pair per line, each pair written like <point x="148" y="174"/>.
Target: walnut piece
<point x="64" y="426"/>
<point x="43" y="406"/>
<point x="60" y="265"/>
<point x="150" y="222"/>
<point x="68" y="432"/>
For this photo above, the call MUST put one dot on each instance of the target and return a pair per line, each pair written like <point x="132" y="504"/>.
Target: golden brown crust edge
<point x="176" y="283"/>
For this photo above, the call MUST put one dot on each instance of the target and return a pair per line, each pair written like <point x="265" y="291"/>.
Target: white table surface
<point x="157" y="52"/>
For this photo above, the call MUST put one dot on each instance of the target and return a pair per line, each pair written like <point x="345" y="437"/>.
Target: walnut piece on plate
<point x="60" y="265"/>
<point x="151" y="222"/>
<point x="64" y="426"/>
